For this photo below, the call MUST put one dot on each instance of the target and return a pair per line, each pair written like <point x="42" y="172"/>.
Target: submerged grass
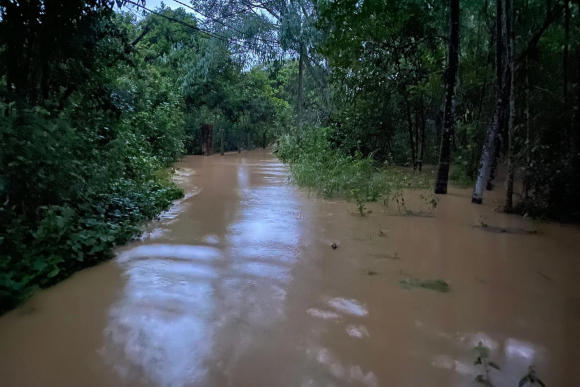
<point x="329" y="172"/>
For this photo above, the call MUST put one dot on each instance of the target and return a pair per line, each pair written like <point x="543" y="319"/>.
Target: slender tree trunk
<point x="566" y="50"/>
<point x="423" y="138"/>
<point x="510" y="31"/>
<point x="417" y="142"/>
<point x="449" y="112"/>
<point x="575" y="129"/>
<point x="566" y="66"/>
<point x="487" y="153"/>
<point x="497" y="143"/>
<point x="411" y="139"/>
<point x="527" y="118"/>
<point x="299" y="103"/>
<point x="222" y="142"/>
<point x="264" y="140"/>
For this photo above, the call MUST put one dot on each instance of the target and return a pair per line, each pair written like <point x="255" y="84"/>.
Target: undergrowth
<point x="65" y="202"/>
<point x="330" y="172"/>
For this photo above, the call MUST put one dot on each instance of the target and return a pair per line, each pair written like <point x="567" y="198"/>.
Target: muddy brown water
<point x="237" y="285"/>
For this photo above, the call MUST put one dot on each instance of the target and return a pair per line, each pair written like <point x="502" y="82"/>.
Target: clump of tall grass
<point x="331" y="172"/>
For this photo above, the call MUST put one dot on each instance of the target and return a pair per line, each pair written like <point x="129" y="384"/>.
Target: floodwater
<point x="238" y="285"/>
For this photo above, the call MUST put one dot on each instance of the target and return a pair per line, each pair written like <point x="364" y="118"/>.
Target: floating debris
<point x="394" y="256"/>
<point x="507" y="230"/>
<point x="438" y="285"/>
<point x="334" y="246"/>
<point x="371" y="272"/>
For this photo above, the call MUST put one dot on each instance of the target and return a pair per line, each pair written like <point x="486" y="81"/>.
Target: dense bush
<point x="69" y="196"/>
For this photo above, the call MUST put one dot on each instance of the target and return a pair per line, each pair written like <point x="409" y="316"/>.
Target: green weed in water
<point x="531" y="379"/>
<point x="438" y="285"/>
<point x="330" y="172"/>
<point x="482" y="359"/>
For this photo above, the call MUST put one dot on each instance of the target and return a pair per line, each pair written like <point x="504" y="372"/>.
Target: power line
<point x="224" y="24"/>
<point x="227" y="39"/>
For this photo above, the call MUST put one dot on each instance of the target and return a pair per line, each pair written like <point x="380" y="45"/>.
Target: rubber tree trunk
<point x="509" y="22"/>
<point x="566" y="66"/>
<point x="264" y="140"/>
<point x="417" y="142"/>
<point x="411" y="140"/>
<point x="497" y="145"/>
<point x="222" y="142"/>
<point x="566" y="50"/>
<point x="527" y="118"/>
<point x="575" y="129"/>
<point x="423" y="138"/>
<point x="299" y="103"/>
<point x="207" y="139"/>
<point x="449" y="111"/>
<point x="487" y="153"/>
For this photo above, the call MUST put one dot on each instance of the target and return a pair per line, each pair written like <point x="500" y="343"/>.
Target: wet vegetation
<point x="486" y="365"/>
<point x="331" y="172"/>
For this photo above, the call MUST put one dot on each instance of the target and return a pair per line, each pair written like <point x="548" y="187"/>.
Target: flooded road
<point x="237" y="285"/>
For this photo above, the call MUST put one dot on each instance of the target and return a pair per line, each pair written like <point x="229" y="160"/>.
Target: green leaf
<point x="39" y="265"/>
<point x="53" y="273"/>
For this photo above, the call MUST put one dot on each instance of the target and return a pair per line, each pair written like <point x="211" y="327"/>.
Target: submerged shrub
<point x="330" y="171"/>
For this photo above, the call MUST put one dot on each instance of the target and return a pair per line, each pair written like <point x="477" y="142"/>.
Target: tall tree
<point x="449" y="113"/>
<point x="510" y="32"/>
<point x="487" y="153"/>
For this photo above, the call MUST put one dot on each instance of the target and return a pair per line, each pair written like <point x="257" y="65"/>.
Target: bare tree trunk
<point x="423" y="138"/>
<point x="299" y="103"/>
<point x="566" y="49"/>
<point x="264" y="140"/>
<point x="222" y="142"/>
<point x="417" y="143"/>
<point x="565" y="64"/>
<point x="527" y="118"/>
<point x="497" y="143"/>
<point x="412" y="141"/>
<point x="575" y="129"/>
<point x="487" y="153"/>
<point x="510" y="31"/>
<point x="449" y="112"/>
<point x="207" y="139"/>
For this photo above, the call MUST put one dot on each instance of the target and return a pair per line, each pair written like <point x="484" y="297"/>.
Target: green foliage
<point x="331" y="172"/>
<point x="84" y="168"/>
<point x="459" y="177"/>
